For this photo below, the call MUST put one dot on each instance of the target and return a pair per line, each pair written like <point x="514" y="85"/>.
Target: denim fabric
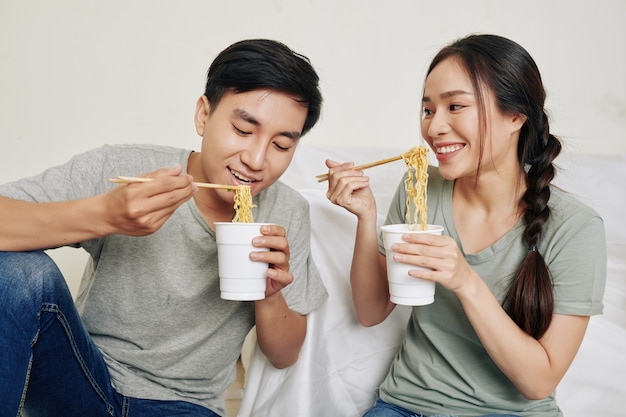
<point x="49" y="366"/>
<point x="383" y="409"/>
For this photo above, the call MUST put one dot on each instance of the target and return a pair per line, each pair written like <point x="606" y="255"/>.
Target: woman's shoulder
<point x="434" y="174"/>
<point x="568" y="205"/>
<point x="435" y="180"/>
<point x="570" y="218"/>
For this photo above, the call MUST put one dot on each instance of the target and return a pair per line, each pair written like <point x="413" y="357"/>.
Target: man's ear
<point x="203" y="108"/>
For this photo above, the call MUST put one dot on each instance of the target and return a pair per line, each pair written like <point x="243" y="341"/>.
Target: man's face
<point x="248" y="138"/>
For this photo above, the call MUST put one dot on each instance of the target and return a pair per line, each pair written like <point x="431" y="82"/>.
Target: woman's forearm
<point x="368" y="278"/>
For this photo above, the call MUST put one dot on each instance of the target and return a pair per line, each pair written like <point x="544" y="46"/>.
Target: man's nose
<point x="255" y="154"/>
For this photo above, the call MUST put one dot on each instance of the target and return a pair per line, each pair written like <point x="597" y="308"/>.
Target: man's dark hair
<point x="265" y="64"/>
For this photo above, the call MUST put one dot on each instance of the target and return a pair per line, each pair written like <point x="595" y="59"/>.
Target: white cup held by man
<point x="241" y="279"/>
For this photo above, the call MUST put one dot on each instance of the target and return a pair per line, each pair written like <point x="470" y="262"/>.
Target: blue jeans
<point x="383" y="409"/>
<point x="49" y="365"/>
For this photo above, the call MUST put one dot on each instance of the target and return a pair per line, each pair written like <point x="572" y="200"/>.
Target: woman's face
<point x="450" y="125"/>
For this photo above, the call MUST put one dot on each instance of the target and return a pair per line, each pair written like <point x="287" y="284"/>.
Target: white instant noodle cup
<point x="241" y="279"/>
<point x="403" y="288"/>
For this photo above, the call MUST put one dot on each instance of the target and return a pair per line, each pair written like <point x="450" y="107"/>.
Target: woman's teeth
<point x="448" y="149"/>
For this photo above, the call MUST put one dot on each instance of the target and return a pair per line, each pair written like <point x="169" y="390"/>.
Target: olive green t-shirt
<point x="442" y="368"/>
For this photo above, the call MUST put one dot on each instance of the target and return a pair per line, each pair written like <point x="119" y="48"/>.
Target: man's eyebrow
<point x="247" y="117"/>
<point x="292" y="135"/>
<point x="448" y="94"/>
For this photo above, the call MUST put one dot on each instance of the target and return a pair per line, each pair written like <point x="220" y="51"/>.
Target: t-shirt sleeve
<point x="80" y="177"/>
<point x="87" y="174"/>
<point x="282" y="205"/>
<point x="577" y="263"/>
<point x="307" y="292"/>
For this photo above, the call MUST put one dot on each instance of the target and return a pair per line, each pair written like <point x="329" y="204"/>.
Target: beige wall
<point x="75" y="74"/>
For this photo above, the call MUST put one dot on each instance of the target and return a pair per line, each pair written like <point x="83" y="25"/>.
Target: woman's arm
<point x="535" y="367"/>
<point x="368" y="274"/>
<point x="368" y="277"/>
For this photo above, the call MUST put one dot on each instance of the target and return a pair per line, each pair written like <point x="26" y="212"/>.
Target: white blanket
<point x="342" y="362"/>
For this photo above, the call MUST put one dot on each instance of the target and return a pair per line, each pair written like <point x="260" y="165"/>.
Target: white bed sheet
<point x="342" y="363"/>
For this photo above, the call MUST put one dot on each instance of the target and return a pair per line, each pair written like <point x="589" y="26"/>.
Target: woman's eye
<point x="427" y="112"/>
<point x="454" y="107"/>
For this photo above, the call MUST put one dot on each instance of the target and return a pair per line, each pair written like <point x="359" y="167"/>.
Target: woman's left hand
<point x="440" y="255"/>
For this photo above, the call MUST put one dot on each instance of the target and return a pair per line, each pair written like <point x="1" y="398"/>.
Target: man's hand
<point x="142" y="208"/>
<point x="278" y="275"/>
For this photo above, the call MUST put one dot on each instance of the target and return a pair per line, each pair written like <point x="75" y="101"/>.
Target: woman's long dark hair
<point x="506" y="70"/>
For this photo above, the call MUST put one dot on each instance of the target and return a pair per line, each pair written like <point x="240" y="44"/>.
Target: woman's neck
<point x="493" y="205"/>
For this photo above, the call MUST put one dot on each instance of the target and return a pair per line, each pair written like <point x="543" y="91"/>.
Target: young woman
<point x="521" y="264"/>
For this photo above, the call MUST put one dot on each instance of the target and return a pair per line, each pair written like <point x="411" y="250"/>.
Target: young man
<point x="149" y="334"/>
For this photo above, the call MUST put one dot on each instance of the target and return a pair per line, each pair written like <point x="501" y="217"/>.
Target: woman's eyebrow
<point x="448" y="94"/>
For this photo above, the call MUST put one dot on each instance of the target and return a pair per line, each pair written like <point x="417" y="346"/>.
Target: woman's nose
<point x="437" y="124"/>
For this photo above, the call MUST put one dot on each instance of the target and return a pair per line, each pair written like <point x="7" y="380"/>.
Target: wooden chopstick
<point x="120" y="179"/>
<point x="324" y="177"/>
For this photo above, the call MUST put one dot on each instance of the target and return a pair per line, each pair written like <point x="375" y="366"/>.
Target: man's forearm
<point x="30" y="226"/>
<point x="280" y="331"/>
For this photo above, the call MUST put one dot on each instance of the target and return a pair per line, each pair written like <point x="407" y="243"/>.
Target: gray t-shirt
<point x="442" y="367"/>
<point x="152" y="304"/>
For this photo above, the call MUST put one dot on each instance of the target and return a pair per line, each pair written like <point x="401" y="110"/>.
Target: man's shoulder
<point x="141" y="148"/>
<point x="280" y="190"/>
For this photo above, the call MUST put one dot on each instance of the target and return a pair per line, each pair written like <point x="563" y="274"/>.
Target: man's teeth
<point x="448" y="149"/>
<point x="241" y="177"/>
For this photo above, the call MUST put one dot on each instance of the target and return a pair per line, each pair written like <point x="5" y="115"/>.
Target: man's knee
<point x="24" y="274"/>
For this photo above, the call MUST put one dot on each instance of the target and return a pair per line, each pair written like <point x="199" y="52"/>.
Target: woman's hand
<point x="441" y="255"/>
<point x="350" y="189"/>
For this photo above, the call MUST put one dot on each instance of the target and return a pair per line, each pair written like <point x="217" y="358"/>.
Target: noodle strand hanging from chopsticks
<point x="243" y="205"/>
<point x="415" y="185"/>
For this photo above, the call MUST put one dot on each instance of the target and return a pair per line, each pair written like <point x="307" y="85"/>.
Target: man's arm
<point x="280" y="331"/>
<point x="135" y="209"/>
<point x="29" y="226"/>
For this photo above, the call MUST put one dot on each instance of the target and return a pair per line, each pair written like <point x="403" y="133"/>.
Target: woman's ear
<point x="203" y="108"/>
<point x="518" y="120"/>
